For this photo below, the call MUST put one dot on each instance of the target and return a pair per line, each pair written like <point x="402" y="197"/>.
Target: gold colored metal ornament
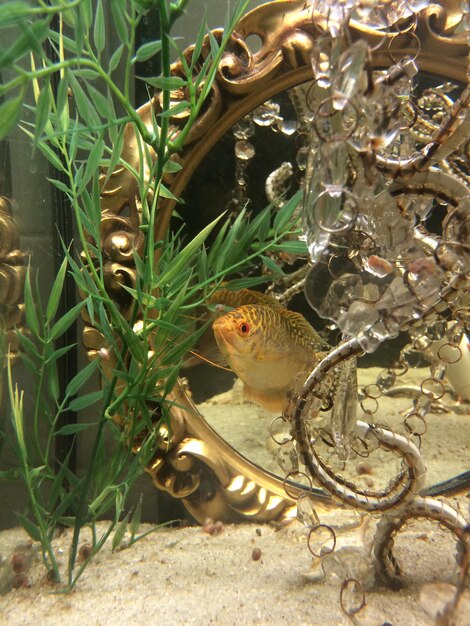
<point x="12" y="275"/>
<point x="193" y="463"/>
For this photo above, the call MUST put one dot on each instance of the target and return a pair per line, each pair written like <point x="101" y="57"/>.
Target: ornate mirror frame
<point x="194" y="464"/>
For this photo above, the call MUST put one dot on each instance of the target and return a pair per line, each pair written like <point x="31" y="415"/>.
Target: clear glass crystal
<point x="245" y="128"/>
<point x="306" y="513"/>
<point x="266" y="114"/>
<point x="244" y="150"/>
<point x="350" y="77"/>
<point x="287" y="457"/>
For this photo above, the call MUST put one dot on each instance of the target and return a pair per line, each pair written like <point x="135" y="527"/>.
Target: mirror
<point x="268" y="149"/>
<point x="226" y="472"/>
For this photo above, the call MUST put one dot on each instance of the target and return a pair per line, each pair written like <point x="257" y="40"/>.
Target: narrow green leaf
<point x="84" y="105"/>
<point x="64" y="323"/>
<point x="10" y="111"/>
<point x="81" y="378"/>
<point x="85" y="401"/>
<point x="118" y="143"/>
<point x="199" y="41"/>
<point x="285" y="213"/>
<point x="182" y="258"/>
<point x="164" y="82"/>
<point x="11" y="12"/>
<point x="72" y="429"/>
<point x="86" y="73"/>
<point x="171" y="167"/>
<point x="99" y="32"/>
<point x="299" y="248"/>
<point x="119" y="18"/>
<point x="31" y="528"/>
<point x="56" y="292"/>
<point x="62" y="103"/>
<point x="100" y="101"/>
<point x="50" y="155"/>
<point x="27" y="344"/>
<point x="115" y="58"/>
<point x="70" y="17"/>
<point x="30" y="307"/>
<point x="30" y="364"/>
<point x="215" y="47"/>
<point x="136" y="518"/>
<point x="43" y="109"/>
<point x="86" y="13"/>
<point x="166" y="193"/>
<point x="52" y="380"/>
<point x="93" y="163"/>
<point x="181" y="107"/>
<point x="57" y="354"/>
<point x="69" y="44"/>
<point x="120" y="532"/>
<point x="147" y="51"/>
<point x="248" y="283"/>
<point x="60" y="185"/>
<point x="272" y="266"/>
<point x="30" y="40"/>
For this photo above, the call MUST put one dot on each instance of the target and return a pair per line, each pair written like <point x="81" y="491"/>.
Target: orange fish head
<point x="236" y="335"/>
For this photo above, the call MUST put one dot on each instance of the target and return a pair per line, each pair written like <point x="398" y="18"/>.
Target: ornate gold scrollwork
<point x="195" y="464"/>
<point x="12" y="274"/>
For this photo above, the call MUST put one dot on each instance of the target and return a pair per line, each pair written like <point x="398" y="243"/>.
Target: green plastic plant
<point x="78" y="135"/>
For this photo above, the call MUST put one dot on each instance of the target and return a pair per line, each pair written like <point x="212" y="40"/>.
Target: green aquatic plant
<point x="81" y="103"/>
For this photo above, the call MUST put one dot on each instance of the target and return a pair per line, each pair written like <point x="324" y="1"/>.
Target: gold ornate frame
<point x="194" y="463"/>
<point x="12" y="275"/>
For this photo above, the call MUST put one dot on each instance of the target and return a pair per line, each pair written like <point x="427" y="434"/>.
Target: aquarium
<point x="234" y="263"/>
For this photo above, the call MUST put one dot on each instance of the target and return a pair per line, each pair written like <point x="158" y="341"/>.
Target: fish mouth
<point x="223" y="334"/>
<point x="220" y="331"/>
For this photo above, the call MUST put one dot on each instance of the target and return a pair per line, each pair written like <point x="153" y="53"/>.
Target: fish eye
<point x="243" y="328"/>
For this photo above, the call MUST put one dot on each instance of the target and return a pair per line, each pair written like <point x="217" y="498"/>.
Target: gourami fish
<point x="267" y="345"/>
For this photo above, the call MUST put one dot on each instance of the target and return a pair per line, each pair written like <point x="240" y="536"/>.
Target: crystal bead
<point x="455" y="333"/>
<point x="377" y="266"/>
<point x="382" y="331"/>
<point x="266" y="114"/>
<point x="325" y="54"/>
<point x="333" y="11"/>
<point x="438" y="370"/>
<point x="334" y="210"/>
<point x="287" y="127"/>
<point x="301" y="157"/>
<point x="344" y="413"/>
<point x="330" y="164"/>
<point x="287" y="457"/>
<point x="386" y="380"/>
<point x="306" y="513"/>
<point x="244" y="129"/>
<point x="359" y="318"/>
<point x="350" y="77"/>
<point x="338" y="298"/>
<point x="244" y="150"/>
<point x="422" y="343"/>
<point x="352" y="598"/>
<point x="370" y="15"/>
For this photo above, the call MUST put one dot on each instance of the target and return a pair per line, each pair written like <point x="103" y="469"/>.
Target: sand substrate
<point x="186" y="576"/>
<point x="256" y="574"/>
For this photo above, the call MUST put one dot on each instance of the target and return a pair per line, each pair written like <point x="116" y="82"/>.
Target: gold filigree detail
<point x="12" y="275"/>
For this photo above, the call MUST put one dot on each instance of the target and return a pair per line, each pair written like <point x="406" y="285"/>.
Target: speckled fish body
<point x="267" y="347"/>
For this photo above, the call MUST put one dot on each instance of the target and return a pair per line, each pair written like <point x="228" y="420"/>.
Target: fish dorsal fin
<point x="304" y="331"/>
<point x="241" y="297"/>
